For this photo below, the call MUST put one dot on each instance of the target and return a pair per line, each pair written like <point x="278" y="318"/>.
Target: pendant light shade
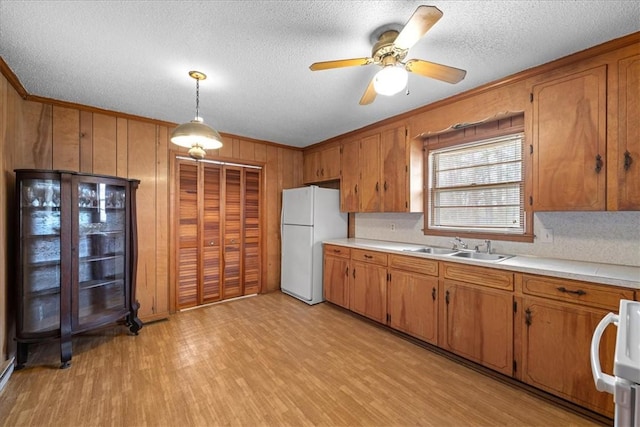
<point x="196" y="135"/>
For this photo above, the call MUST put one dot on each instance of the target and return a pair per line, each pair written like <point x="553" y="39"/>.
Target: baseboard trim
<point x="5" y="373"/>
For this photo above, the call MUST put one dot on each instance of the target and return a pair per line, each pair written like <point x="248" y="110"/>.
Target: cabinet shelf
<point x="96" y="283"/>
<point x="43" y="292"/>
<point x="104" y="257"/>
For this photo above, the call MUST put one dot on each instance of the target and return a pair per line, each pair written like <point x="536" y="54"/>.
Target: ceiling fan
<point x="390" y="50"/>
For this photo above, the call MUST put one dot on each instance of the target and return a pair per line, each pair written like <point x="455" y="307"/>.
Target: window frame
<point x="467" y="134"/>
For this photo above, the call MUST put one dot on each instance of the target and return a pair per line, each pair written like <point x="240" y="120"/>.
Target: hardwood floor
<point x="264" y="360"/>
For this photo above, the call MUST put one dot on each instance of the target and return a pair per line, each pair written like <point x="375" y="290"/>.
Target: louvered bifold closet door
<point x="232" y="231"/>
<point x="187" y="257"/>
<point x="210" y="261"/>
<point x="252" y="242"/>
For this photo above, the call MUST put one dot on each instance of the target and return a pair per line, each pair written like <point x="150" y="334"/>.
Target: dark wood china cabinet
<point x="76" y="256"/>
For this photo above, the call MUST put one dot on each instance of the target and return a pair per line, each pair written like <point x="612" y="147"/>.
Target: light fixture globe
<point x="196" y="135"/>
<point x="390" y="80"/>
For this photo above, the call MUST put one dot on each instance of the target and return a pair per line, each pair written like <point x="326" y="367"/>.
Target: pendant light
<point x="195" y="135"/>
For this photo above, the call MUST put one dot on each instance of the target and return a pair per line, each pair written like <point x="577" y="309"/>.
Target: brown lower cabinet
<point x="536" y="329"/>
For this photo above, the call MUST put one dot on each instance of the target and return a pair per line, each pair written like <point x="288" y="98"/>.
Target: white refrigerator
<point x="309" y="216"/>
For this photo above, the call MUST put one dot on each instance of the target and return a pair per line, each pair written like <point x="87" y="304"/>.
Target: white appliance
<point x="624" y="384"/>
<point x="309" y="216"/>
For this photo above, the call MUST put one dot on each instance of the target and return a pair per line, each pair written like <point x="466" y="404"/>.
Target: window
<point x="477" y="187"/>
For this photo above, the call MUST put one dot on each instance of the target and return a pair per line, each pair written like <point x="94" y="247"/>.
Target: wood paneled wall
<point x="52" y="135"/>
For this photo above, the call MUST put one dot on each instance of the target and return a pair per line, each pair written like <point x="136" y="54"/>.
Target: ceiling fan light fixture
<point x="390" y="80"/>
<point x="196" y="135"/>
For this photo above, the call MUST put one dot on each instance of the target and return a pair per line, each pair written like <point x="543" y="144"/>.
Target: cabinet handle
<point x="336" y="251"/>
<point x="211" y="243"/>
<point x="433" y="293"/>
<point x="385" y="186"/>
<point x="322" y="172"/>
<point x="356" y="189"/>
<point x="527" y="317"/>
<point x="354" y="273"/>
<point x="346" y="271"/>
<point x="368" y="256"/>
<point x="578" y="292"/>
<point x="377" y="186"/>
<point x="446" y="297"/>
<point x="598" y="163"/>
<point x="627" y="160"/>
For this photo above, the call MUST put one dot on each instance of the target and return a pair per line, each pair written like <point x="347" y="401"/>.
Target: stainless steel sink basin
<point x="481" y="256"/>
<point x="430" y="250"/>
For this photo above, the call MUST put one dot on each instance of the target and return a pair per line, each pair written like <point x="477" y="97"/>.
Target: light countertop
<point x="606" y="274"/>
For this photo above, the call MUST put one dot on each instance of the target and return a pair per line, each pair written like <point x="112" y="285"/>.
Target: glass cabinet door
<point x="101" y="235"/>
<point x="40" y="256"/>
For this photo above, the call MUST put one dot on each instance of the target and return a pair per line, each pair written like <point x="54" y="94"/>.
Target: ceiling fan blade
<point x="435" y="71"/>
<point x="340" y="63"/>
<point x="420" y="22"/>
<point x="369" y="94"/>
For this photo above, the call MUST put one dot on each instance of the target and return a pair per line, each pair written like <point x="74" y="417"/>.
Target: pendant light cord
<point x="197" y="99"/>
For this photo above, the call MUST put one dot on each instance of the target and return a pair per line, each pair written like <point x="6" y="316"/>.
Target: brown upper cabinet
<point x="382" y="172"/>
<point x="569" y="141"/>
<point x="624" y="127"/>
<point x="583" y="138"/>
<point x="321" y="165"/>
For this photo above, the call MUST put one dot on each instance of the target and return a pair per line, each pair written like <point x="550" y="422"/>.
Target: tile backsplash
<point x="606" y="237"/>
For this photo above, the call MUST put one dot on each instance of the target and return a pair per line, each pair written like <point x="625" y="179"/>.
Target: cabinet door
<point x="368" y="290"/>
<point x="231" y="284"/>
<point x="40" y="257"/>
<point x="100" y="268"/>
<point x="370" y="185"/>
<point x="329" y="164"/>
<point x="209" y="288"/>
<point x="413" y="306"/>
<point x="394" y="170"/>
<point x="187" y="264"/>
<point x="628" y="158"/>
<point x="556" y="351"/>
<point x="252" y="253"/>
<point x="478" y="325"/>
<point x="569" y="142"/>
<point x="310" y="161"/>
<point x="350" y="165"/>
<point x="336" y="280"/>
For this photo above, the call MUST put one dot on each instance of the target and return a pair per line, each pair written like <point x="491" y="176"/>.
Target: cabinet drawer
<point x="414" y="264"/>
<point x="607" y="297"/>
<point x="335" y="250"/>
<point x="369" y="256"/>
<point x="489" y="277"/>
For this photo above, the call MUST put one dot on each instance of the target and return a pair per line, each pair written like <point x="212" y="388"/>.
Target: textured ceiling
<point x="133" y="56"/>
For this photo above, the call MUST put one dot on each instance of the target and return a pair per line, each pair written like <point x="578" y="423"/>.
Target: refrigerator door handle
<point x="604" y="382"/>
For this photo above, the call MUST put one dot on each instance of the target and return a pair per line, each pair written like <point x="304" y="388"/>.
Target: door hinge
<point x="531" y="97"/>
<point x="515" y="306"/>
<point x="515" y="366"/>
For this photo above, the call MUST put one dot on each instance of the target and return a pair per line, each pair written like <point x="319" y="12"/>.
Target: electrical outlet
<point x="392" y="226"/>
<point x="545" y="235"/>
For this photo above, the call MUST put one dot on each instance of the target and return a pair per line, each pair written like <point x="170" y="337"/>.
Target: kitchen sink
<point x="430" y="250"/>
<point x="481" y="256"/>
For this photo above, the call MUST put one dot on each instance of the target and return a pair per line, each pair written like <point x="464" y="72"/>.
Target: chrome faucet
<point x="487" y="243"/>
<point x="458" y="242"/>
